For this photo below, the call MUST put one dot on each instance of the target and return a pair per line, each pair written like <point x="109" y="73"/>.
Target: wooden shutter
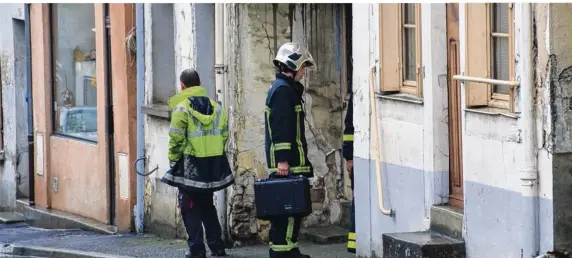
<point x="389" y="49"/>
<point x="477" y="55"/>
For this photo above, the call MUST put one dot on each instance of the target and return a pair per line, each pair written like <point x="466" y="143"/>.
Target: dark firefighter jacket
<point x="285" y="138"/>
<point x="348" y="145"/>
<point x="197" y="139"/>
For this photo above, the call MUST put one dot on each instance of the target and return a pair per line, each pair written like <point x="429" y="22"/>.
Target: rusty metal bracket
<point x="144" y="159"/>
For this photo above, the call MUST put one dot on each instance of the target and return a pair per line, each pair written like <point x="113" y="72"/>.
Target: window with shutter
<point x="490" y="54"/>
<point x="400" y="48"/>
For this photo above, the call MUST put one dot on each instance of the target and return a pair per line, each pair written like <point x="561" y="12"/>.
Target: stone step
<point x="54" y="219"/>
<point x="11" y="217"/>
<point x="421" y="245"/>
<point x="325" y="235"/>
<point x="447" y="220"/>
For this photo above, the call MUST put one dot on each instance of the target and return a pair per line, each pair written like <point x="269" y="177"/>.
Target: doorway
<point x="109" y="118"/>
<point x="454" y="93"/>
<point x="80" y="122"/>
<point x="20" y="87"/>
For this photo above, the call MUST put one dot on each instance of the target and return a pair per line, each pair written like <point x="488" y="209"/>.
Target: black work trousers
<point x="284" y="236"/>
<point x="198" y="210"/>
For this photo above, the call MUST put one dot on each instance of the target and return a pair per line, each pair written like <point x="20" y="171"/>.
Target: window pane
<point x="74" y="87"/>
<point x="409" y="13"/>
<point x="500" y="64"/>
<point x="409" y="55"/>
<point x="500" y="18"/>
<point x="409" y="42"/>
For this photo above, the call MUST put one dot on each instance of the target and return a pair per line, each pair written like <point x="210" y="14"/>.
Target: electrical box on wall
<point x="39" y="154"/>
<point x="55" y="185"/>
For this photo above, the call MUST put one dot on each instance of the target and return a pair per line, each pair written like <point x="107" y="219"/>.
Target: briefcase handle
<point x="274" y="175"/>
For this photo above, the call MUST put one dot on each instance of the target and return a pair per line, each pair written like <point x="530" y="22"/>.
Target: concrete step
<point x="447" y="220"/>
<point x="325" y="235"/>
<point x="421" y="245"/>
<point x="11" y="217"/>
<point x="54" y="219"/>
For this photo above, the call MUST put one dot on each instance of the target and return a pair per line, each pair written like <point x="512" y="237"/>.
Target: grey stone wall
<point x="14" y="169"/>
<point x="255" y="32"/>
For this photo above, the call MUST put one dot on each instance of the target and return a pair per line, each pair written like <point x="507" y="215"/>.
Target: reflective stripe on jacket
<point x="285" y="136"/>
<point x="197" y="140"/>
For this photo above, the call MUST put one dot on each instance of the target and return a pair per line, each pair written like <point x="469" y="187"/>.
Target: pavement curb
<point x="52" y="252"/>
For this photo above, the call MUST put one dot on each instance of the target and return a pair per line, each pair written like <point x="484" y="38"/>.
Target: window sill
<point x="491" y="111"/>
<point x="161" y="111"/>
<point x="404" y="97"/>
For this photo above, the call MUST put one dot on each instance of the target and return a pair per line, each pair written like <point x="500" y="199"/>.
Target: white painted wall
<point x="493" y="158"/>
<point x="414" y="137"/>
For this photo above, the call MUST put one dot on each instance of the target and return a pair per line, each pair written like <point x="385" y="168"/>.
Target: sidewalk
<point x="135" y="246"/>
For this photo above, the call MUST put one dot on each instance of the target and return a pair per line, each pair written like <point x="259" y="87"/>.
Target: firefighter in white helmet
<point x="286" y="146"/>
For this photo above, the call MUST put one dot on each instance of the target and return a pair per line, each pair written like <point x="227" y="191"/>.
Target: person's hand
<point x="349" y="167"/>
<point x="282" y="168"/>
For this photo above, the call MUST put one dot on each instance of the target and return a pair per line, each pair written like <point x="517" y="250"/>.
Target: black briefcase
<point x="282" y="196"/>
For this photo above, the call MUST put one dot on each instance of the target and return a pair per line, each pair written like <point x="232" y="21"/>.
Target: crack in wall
<point x="251" y="64"/>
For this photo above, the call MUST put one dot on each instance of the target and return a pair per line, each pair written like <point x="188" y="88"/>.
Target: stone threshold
<point x="9" y="217"/>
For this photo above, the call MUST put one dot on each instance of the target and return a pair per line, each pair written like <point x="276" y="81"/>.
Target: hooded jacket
<point x="197" y="140"/>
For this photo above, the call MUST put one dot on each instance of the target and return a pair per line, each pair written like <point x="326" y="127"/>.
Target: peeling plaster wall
<point x="255" y="32"/>
<point x="544" y="125"/>
<point x="554" y="82"/>
<point x="14" y="169"/>
<point x="320" y="27"/>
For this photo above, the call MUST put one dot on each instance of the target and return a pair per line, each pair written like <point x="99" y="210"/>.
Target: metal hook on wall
<point x="143" y="174"/>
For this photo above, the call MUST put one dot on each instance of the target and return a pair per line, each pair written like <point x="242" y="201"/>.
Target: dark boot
<point x="219" y="253"/>
<point x="188" y="255"/>
<point x="290" y="255"/>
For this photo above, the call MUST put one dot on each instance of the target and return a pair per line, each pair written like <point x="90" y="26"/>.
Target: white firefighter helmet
<point x="294" y="56"/>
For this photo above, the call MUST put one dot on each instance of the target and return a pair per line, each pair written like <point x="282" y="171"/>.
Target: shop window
<point x="400" y="48"/>
<point x="490" y="54"/>
<point x="74" y="70"/>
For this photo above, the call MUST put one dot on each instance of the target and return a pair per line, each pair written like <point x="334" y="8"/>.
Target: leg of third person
<point x="213" y="230"/>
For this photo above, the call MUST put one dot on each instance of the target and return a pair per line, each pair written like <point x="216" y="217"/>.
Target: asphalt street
<point x="136" y="245"/>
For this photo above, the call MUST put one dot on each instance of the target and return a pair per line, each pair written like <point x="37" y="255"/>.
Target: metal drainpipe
<point x="140" y="207"/>
<point x="31" y="168"/>
<point x="529" y="171"/>
<point x="220" y="95"/>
